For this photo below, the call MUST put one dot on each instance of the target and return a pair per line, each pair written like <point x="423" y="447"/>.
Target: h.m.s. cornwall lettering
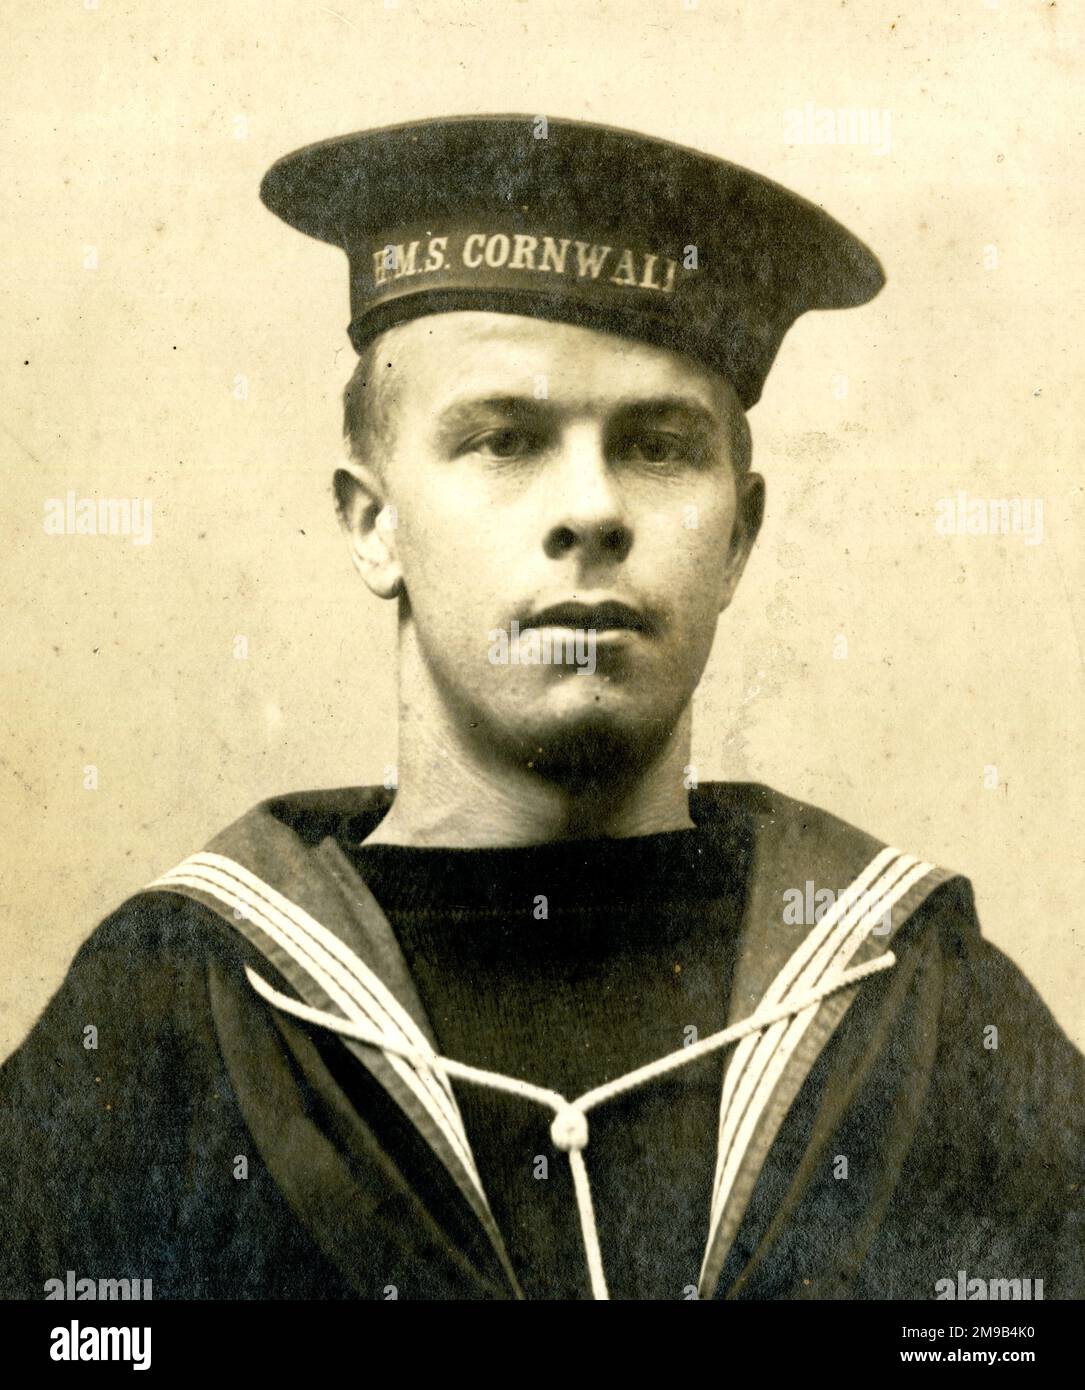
<point x="545" y="254"/>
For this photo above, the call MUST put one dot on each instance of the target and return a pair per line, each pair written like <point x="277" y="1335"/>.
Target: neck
<point x="458" y="791"/>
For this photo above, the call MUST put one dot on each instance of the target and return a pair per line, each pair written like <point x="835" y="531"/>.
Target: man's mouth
<point x="609" y="616"/>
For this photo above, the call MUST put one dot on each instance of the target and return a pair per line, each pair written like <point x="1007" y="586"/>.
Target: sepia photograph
<point x="545" y="697"/>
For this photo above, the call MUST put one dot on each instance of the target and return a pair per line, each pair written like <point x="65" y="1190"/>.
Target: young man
<point x="546" y="1022"/>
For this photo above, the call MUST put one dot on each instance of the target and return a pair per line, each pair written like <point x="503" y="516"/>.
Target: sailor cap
<point x="574" y="222"/>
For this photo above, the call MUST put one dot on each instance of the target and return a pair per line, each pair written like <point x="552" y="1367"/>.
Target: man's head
<point x="512" y="473"/>
<point x="560" y="326"/>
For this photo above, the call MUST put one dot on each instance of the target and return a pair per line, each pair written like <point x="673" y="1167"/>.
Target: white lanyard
<point x="569" y="1128"/>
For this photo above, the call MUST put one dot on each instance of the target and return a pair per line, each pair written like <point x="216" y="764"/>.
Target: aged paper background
<point x="165" y="338"/>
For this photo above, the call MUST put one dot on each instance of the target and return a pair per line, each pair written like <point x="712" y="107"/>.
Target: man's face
<point x="555" y="479"/>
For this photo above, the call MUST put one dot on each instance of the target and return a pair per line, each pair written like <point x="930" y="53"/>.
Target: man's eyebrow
<point x="641" y="409"/>
<point x="466" y="413"/>
<point x="636" y="409"/>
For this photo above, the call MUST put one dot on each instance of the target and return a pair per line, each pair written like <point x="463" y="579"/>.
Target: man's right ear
<point x="368" y="520"/>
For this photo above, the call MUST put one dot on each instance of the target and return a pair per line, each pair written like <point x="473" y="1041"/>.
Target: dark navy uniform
<point x="357" y="1176"/>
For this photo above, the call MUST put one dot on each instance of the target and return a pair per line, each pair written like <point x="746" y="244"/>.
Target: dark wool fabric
<point x="222" y="1149"/>
<point x="625" y="966"/>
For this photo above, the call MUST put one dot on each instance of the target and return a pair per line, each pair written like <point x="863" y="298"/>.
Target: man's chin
<point x="591" y="741"/>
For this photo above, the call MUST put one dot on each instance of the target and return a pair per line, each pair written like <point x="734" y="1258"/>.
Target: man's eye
<point x="503" y="444"/>
<point x="654" y="446"/>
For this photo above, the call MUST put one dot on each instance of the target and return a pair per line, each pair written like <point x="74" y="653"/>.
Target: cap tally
<point x="573" y="222"/>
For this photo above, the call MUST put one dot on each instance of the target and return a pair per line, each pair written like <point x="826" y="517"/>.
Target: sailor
<point x="544" y="1020"/>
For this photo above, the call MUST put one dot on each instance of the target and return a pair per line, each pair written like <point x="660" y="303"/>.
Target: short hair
<point x="740" y="439"/>
<point x="367" y="417"/>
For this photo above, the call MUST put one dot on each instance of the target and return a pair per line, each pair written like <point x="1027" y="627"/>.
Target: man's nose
<point x="589" y="513"/>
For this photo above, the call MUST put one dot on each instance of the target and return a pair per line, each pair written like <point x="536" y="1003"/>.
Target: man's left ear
<point x="749" y="511"/>
<point x="368" y="520"/>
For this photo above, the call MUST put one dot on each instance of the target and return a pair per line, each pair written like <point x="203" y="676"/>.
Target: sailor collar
<point x="280" y="877"/>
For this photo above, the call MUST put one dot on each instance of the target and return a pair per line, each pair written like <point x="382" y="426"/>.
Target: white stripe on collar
<point x="759" y="1061"/>
<point x="818" y="967"/>
<point x="342" y="975"/>
<point x="569" y="1130"/>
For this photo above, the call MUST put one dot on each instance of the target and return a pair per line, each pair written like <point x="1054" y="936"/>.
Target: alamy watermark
<point x="990" y="516"/>
<point x="99" y="516"/>
<point x="840" y="125"/>
<point x="988" y="1290"/>
<point x="76" y="1343"/>
<point x="806" y="906"/>
<point x="83" y="1289"/>
<point x="73" y="1342"/>
<point x="546" y="647"/>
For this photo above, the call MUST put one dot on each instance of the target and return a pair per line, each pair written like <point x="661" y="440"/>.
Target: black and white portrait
<point x="545" y="684"/>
